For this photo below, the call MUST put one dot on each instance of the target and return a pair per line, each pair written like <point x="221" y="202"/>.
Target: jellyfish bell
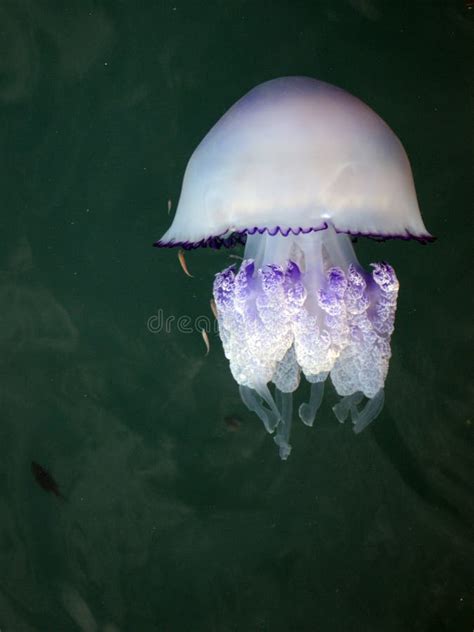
<point x="293" y="170"/>
<point x="296" y="153"/>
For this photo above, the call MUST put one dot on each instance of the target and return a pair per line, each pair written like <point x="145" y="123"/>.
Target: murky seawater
<point x="179" y="515"/>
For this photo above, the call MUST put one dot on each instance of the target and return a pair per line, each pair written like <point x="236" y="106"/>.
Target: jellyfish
<point x="295" y="170"/>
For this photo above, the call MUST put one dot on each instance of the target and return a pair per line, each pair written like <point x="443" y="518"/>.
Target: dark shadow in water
<point x="394" y="447"/>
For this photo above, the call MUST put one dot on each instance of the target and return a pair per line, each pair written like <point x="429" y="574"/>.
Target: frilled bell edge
<point x="229" y="239"/>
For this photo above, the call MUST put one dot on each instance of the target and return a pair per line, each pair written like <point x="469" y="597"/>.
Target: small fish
<point x="205" y="337"/>
<point x="232" y="422"/>
<point x="45" y="480"/>
<point x="213" y="307"/>
<point x="236" y="257"/>
<point x="169" y="206"/>
<point x="182" y="262"/>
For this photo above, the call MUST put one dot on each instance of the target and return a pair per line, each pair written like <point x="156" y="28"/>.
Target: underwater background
<point x="178" y="513"/>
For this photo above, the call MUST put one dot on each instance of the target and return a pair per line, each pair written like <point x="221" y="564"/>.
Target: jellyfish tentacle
<point x="307" y="411"/>
<point x="360" y="419"/>
<point x="370" y="412"/>
<point x="346" y="404"/>
<point x="252" y="398"/>
<point x="282" y="436"/>
<point x="275" y="415"/>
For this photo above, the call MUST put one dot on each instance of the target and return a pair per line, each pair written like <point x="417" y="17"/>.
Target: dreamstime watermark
<point x="184" y="324"/>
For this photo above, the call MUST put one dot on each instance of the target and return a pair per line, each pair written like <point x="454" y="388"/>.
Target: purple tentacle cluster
<point x="363" y="363"/>
<point x="273" y="327"/>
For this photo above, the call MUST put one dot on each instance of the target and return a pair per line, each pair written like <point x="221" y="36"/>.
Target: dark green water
<point x="172" y="521"/>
